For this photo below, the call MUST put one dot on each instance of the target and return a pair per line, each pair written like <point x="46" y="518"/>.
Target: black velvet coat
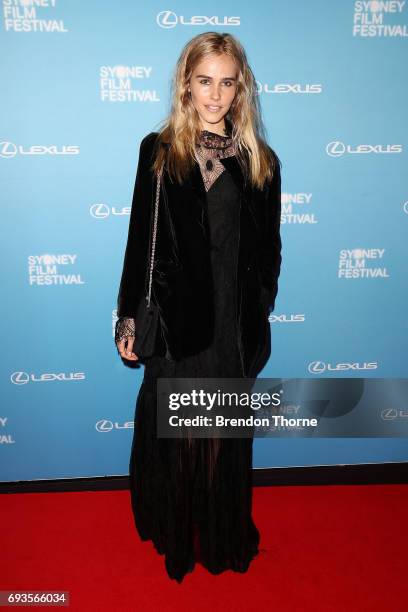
<point x="182" y="282"/>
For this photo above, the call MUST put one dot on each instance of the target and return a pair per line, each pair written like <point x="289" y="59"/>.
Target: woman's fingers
<point x="127" y="352"/>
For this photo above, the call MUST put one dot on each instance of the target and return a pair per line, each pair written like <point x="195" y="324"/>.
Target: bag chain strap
<point x="156" y="212"/>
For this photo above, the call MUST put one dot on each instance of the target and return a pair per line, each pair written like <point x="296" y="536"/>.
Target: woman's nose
<point x="215" y="92"/>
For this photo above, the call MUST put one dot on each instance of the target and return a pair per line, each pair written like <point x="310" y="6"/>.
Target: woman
<point x="218" y="248"/>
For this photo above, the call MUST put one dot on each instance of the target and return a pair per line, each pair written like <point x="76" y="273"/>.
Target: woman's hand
<point x="127" y="352"/>
<point x="125" y="333"/>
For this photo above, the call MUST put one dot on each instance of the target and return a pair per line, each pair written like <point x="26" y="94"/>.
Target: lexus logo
<point x="99" y="211"/>
<point x="8" y="149"/>
<point x="20" y="378"/>
<point x="315" y="367"/>
<point x="336" y="148"/>
<point x="390" y="414"/>
<point x="167" y="19"/>
<point x="105" y="425"/>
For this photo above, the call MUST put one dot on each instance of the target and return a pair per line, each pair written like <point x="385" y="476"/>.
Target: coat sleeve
<point x="133" y="283"/>
<point x="271" y="246"/>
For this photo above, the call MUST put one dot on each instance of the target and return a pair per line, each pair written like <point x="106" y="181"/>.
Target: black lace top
<point x="210" y="148"/>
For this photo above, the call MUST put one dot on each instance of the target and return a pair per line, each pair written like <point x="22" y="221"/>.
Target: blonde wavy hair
<point x="182" y="127"/>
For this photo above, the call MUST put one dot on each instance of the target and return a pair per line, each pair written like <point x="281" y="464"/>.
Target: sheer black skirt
<point x="193" y="496"/>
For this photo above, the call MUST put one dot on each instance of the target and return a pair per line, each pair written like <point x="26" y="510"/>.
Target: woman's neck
<point x="213" y="131"/>
<point x="219" y="130"/>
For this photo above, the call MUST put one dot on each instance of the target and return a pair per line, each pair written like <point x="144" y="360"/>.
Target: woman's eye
<point x="205" y="82"/>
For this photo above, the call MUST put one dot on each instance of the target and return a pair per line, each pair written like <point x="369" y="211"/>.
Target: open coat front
<point x="182" y="281"/>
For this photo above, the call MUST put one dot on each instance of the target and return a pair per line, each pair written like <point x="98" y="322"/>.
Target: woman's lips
<point x="213" y="109"/>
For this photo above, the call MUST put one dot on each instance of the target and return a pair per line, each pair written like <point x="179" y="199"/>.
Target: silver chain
<point x="156" y="213"/>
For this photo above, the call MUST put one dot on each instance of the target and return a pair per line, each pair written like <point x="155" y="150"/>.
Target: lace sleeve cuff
<point x="125" y="327"/>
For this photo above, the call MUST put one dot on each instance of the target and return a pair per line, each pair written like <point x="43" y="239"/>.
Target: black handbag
<point x="146" y="321"/>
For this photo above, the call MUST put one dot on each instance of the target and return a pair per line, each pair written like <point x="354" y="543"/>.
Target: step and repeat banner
<point x="82" y="84"/>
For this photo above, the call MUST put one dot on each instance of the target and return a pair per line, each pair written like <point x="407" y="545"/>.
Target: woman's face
<point x="213" y="84"/>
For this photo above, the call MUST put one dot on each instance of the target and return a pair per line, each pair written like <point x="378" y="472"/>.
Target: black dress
<point x="193" y="497"/>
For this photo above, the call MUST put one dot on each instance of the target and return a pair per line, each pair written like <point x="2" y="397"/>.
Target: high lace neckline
<point x="212" y="140"/>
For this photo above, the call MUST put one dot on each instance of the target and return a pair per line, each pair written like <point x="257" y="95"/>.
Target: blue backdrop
<point x="82" y="84"/>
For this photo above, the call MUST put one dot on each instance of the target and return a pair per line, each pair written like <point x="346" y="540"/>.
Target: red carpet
<point x="324" y="548"/>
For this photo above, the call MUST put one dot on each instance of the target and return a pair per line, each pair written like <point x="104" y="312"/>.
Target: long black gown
<point x="194" y="496"/>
